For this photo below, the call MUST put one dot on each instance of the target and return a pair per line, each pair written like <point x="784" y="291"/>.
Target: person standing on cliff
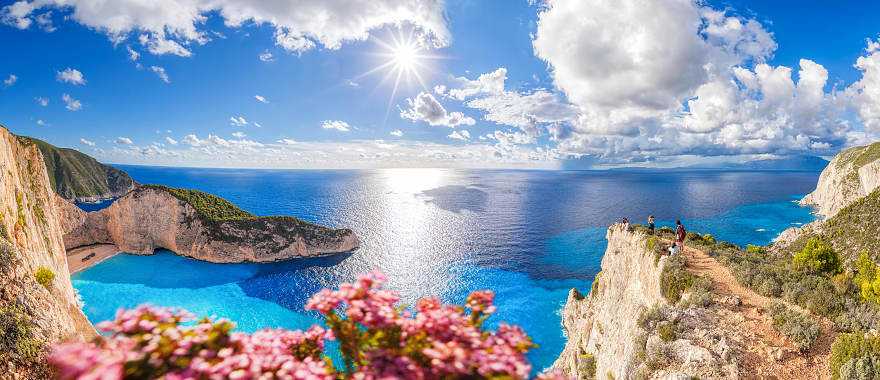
<point x="680" y="234"/>
<point x="651" y="224"/>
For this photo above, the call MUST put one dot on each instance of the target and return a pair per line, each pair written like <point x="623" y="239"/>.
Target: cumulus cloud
<point x="396" y="133"/>
<point x="10" y="80"/>
<point x="261" y="99"/>
<point x="42" y="101"/>
<point x="86" y="142"/>
<point x="160" y="72"/>
<point x="338" y="125"/>
<point x="865" y="93"/>
<point x="70" y="103"/>
<point x="172" y="26"/>
<point x="42" y="123"/>
<point x="239" y="135"/>
<point x="238" y="121"/>
<point x="170" y="140"/>
<point x="425" y="107"/>
<point x="287" y="142"/>
<point x="648" y="79"/>
<point x="462" y="135"/>
<point x="124" y="141"/>
<point x="488" y="83"/>
<point x="72" y="76"/>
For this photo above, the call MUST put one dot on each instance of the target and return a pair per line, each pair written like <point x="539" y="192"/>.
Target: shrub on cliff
<point x="44" y="277"/>
<point x="17" y="338"/>
<point x="376" y="339"/>
<point x="817" y="257"/>
<point x="867" y="278"/>
<point x="675" y="280"/>
<point x="800" y="328"/>
<point x="849" y="348"/>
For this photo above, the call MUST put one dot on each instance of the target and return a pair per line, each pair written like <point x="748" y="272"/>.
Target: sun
<point x="404" y="60"/>
<point x="405" y="57"/>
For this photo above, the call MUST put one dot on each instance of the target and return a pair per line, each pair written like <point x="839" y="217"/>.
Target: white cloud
<point x="462" y="135"/>
<point x="72" y="76"/>
<point x="488" y="83"/>
<point x="425" y="107"/>
<point x="171" y="26"/>
<point x="261" y="99"/>
<point x="287" y="142"/>
<point x="396" y="133"/>
<point x="70" y="103"/>
<point x="865" y="93"/>
<point x="239" y="135"/>
<point x="123" y="141"/>
<point x="266" y="56"/>
<point x="649" y="79"/>
<point x="258" y="125"/>
<point x="86" y="142"/>
<point x="9" y="81"/>
<point x="170" y="140"/>
<point x="160" y="72"/>
<point x="42" y="101"/>
<point x="133" y="55"/>
<point x="525" y="111"/>
<point x="42" y="123"/>
<point x="338" y="125"/>
<point x="238" y="121"/>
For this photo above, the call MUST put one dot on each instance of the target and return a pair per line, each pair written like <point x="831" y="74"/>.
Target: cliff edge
<point x="198" y="225"/>
<point x="38" y="305"/>
<point x="852" y="174"/>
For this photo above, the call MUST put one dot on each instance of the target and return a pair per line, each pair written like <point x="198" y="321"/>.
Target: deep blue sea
<point x="529" y="235"/>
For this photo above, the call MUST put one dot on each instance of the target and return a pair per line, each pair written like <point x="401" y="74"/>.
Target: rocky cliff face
<point x="42" y="312"/>
<point x="150" y="218"/>
<point x="605" y="323"/>
<point x="852" y="174"/>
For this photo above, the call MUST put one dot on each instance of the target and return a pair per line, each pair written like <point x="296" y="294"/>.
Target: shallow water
<point x="529" y="235"/>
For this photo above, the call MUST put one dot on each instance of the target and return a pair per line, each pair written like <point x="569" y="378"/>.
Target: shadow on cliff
<point x="457" y="198"/>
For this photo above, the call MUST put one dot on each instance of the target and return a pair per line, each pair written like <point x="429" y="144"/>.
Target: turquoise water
<point x="530" y="236"/>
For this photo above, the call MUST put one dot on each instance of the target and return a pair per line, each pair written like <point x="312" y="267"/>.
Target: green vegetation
<point x="587" y="365"/>
<point x="76" y="175"/>
<point x="17" y="336"/>
<point x="210" y="207"/>
<point x="755" y="249"/>
<point x="852" y="353"/>
<point x="867" y="155"/>
<point x="44" y="277"/>
<point x="675" y="280"/>
<point x="855" y="229"/>
<point x="800" y="328"/>
<point x="666" y="331"/>
<point x="867" y="278"/>
<point x="817" y="256"/>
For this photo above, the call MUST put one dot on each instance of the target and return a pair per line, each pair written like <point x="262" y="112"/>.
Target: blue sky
<point x="504" y="84"/>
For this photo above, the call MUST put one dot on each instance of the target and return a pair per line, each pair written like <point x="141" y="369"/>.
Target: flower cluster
<point x="377" y="339"/>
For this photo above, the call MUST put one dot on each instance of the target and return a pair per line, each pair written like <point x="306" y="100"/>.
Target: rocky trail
<point x="765" y="353"/>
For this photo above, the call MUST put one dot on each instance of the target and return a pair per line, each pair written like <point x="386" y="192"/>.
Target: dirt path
<point x="766" y="354"/>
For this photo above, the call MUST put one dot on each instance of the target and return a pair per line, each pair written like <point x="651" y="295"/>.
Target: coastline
<point x="102" y="252"/>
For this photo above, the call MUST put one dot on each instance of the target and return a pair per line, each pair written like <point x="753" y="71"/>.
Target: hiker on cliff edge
<point x="651" y="224"/>
<point x="680" y="234"/>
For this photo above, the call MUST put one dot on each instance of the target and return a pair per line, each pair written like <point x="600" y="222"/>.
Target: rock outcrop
<point x="44" y="311"/>
<point x="153" y="217"/>
<point x="852" y="174"/>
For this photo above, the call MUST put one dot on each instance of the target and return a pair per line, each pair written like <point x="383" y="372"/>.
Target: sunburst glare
<point x="404" y="60"/>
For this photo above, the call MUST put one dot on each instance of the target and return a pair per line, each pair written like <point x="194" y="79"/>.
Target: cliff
<point x="78" y="177"/>
<point x="199" y="225"/>
<point x="852" y="174"/>
<point x="617" y="331"/>
<point x="38" y="305"/>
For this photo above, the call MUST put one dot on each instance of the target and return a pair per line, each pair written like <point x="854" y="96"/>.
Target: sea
<point x="530" y="236"/>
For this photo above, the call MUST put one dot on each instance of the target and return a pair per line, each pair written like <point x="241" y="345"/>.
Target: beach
<point x="75" y="262"/>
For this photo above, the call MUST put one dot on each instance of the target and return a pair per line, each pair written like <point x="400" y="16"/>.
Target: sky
<point x="431" y="83"/>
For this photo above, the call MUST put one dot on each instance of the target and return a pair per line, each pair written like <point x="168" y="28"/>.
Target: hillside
<point x="78" y="177"/>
